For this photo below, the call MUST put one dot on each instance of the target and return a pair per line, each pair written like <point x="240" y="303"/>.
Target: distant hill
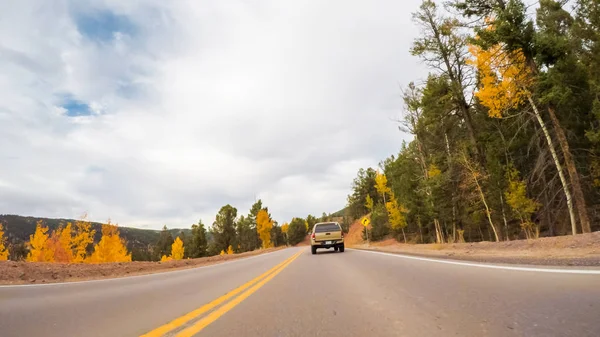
<point x="19" y="228"/>
<point x="339" y="213"/>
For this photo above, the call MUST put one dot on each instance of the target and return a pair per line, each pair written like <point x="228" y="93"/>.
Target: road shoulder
<point x="580" y="250"/>
<point x="15" y="273"/>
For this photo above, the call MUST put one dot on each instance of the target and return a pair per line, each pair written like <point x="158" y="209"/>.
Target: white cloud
<point x="198" y="105"/>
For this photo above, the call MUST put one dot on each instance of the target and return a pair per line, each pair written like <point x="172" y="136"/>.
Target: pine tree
<point x="223" y="228"/>
<point x="296" y="231"/>
<point x="164" y="243"/>
<point x="199" y="244"/>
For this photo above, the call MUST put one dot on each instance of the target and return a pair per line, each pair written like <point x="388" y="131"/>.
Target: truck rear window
<point x="329" y="227"/>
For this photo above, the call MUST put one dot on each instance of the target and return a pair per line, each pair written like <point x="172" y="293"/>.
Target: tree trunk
<point x="472" y="135"/>
<point x="403" y="234"/>
<point x="504" y="217"/>
<point x="474" y="173"/>
<point x="457" y="89"/>
<point x="573" y="174"/>
<point x="438" y="232"/>
<point x="420" y="228"/>
<point x="439" y="236"/>
<point x="453" y="191"/>
<point x="487" y="210"/>
<point x="563" y="181"/>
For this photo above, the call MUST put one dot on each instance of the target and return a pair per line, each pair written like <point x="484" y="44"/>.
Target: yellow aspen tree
<point x="177" y="249"/>
<point x="39" y="242"/>
<point x="505" y="80"/>
<point x="165" y="258"/>
<point x="524" y="207"/>
<point x="61" y="243"/>
<point x="83" y="237"/>
<point x="111" y="247"/>
<point x="396" y="215"/>
<point x="284" y="227"/>
<point x="3" y="248"/>
<point x="369" y="203"/>
<point x="264" y="226"/>
<point x="381" y="185"/>
<point x="222" y="253"/>
<point x="229" y="250"/>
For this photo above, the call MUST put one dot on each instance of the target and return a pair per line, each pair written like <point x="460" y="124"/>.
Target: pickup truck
<point x="327" y="235"/>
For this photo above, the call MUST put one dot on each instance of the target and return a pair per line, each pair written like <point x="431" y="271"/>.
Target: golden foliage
<point x="3" y="249"/>
<point x="395" y="213"/>
<point x="264" y="225"/>
<point x="60" y="242"/>
<point x="229" y="250"/>
<point x="285" y="227"/>
<point x="222" y="253"/>
<point x="504" y="78"/>
<point x="524" y="207"/>
<point x="177" y="249"/>
<point x="164" y="258"/>
<point x="369" y="203"/>
<point x="111" y="247"/>
<point x="83" y="237"/>
<point x="433" y="171"/>
<point x="381" y="183"/>
<point x="39" y="242"/>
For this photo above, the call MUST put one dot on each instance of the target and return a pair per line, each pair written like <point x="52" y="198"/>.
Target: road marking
<point x="125" y="278"/>
<point x="178" y="322"/>
<point x="490" y="266"/>
<point x="204" y="322"/>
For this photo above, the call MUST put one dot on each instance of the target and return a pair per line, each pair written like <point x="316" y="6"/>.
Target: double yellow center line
<point x="244" y="290"/>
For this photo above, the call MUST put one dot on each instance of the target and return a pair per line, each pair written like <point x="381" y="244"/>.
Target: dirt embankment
<point x="35" y="272"/>
<point x="578" y="250"/>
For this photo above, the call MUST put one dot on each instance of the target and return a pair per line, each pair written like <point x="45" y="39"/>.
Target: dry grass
<point x="582" y="249"/>
<point x="36" y="272"/>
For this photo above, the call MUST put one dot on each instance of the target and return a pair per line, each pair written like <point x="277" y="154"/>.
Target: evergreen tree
<point x="223" y="228"/>
<point x="164" y="243"/>
<point x="198" y="245"/>
<point x="296" y="231"/>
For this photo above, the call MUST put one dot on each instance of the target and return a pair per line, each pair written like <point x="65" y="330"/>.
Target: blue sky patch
<point x="102" y="25"/>
<point x="75" y="108"/>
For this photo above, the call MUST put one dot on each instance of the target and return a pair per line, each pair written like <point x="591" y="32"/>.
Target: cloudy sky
<point x="160" y="112"/>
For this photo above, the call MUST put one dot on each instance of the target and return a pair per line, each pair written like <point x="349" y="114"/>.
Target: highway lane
<point x="349" y="294"/>
<point x="127" y="306"/>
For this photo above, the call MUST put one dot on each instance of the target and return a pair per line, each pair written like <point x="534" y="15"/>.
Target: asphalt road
<point x="353" y="293"/>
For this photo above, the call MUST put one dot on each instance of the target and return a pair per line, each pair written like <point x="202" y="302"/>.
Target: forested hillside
<point x="139" y="241"/>
<point x="506" y="137"/>
<point x="67" y="240"/>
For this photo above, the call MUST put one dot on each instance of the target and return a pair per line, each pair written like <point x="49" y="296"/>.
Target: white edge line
<point x="484" y="265"/>
<point x="122" y="278"/>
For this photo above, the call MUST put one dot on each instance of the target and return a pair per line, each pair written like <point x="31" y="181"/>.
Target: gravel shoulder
<point x="38" y="273"/>
<point x="579" y="250"/>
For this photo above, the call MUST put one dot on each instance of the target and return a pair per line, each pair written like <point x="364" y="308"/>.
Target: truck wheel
<point x="313" y="250"/>
<point x="335" y="249"/>
<point x="342" y="248"/>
